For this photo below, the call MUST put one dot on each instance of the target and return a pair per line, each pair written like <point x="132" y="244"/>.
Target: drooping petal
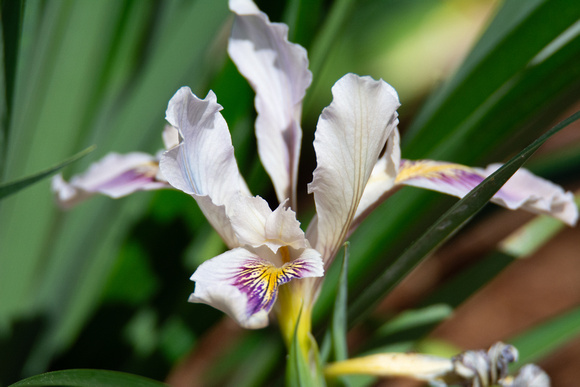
<point x="255" y="224"/>
<point x="523" y="190"/>
<point x="350" y="135"/>
<point x="278" y="73"/>
<point x="245" y="286"/>
<point x="203" y="164"/>
<point x="413" y="365"/>
<point x="115" y="175"/>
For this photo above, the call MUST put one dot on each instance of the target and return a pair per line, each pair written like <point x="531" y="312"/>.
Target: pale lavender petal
<point x="523" y="190"/>
<point x="203" y="164"/>
<point x="278" y="73"/>
<point x="255" y="224"/>
<point x="245" y="286"/>
<point x="115" y="175"/>
<point x="350" y="135"/>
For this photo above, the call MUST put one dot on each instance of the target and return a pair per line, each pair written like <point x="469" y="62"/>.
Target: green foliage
<point x="82" y="378"/>
<point x="298" y="368"/>
<point x="11" y="188"/>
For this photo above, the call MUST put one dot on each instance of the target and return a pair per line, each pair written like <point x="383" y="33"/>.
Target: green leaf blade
<point x="13" y="187"/>
<point x="88" y="378"/>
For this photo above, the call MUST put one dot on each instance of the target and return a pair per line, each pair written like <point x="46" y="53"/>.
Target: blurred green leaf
<point x="11" y="21"/>
<point x="88" y="73"/>
<point x="530" y="237"/>
<point x="445" y="227"/>
<point x="505" y="66"/>
<point x="10" y="188"/>
<point x="334" y="346"/>
<point x="251" y="361"/>
<point x="411" y="324"/>
<point x="545" y="338"/>
<point x="88" y="378"/>
<point x="467" y="282"/>
<point x="325" y="39"/>
<point x="338" y="323"/>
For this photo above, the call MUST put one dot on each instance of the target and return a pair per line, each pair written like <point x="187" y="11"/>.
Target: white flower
<point x="268" y="248"/>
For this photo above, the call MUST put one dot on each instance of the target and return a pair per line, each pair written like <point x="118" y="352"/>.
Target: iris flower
<point x="271" y="263"/>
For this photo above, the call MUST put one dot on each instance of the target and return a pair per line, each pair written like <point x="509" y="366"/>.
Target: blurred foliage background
<point x="105" y="285"/>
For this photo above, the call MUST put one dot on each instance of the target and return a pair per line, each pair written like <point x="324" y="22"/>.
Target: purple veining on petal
<point x="126" y="178"/>
<point x="453" y="179"/>
<point x="259" y="281"/>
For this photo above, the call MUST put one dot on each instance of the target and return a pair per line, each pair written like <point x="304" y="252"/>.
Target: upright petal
<point x="278" y="73"/>
<point x="245" y="286"/>
<point x="203" y="164"/>
<point x="382" y="180"/>
<point x="523" y="190"/>
<point x="350" y="135"/>
<point x="115" y="175"/>
<point x="255" y="224"/>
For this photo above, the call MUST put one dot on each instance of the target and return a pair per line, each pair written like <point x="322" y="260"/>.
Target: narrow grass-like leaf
<point x="88" y="378"/>
<point x="334" y="346"/>
<point x="11" y="23"/>
<point x="520" y="244"/>
<point x="12" y="187"/>
<point x="339" y="13"/>
<point x="297" y="369"/>
<point x="547" y="337"/>
<point x="410" y="325"/>
<point x="530" y="237"/>
<point x="302" y="18"/>
<point x="447" y="225"/>
<point x="338" y="326"/>
<point x="504" y="51"/>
